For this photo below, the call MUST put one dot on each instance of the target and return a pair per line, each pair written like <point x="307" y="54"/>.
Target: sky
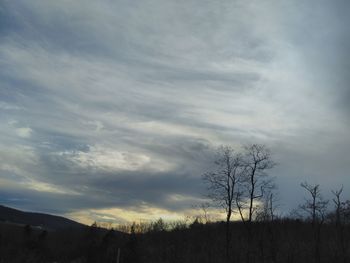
<point x="111" y="110"/>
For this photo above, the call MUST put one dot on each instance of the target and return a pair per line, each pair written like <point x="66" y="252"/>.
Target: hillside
<point x="46" y="221"/>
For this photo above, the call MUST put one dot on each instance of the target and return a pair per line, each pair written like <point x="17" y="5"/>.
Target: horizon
<point x="112" y="111"/>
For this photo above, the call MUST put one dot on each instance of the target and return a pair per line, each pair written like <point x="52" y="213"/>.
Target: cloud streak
<point x="114" y="105"/>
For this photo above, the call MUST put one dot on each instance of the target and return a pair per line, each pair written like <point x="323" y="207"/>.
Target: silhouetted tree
<point x="339" y="208"/>
<point x="338" y="205"/>
<point x="158" y="225"/>
<point x="222" y="183"/>
<point x="316" y="206"/>
<point x="257" y="160"/>
<point x="346" y="211"/>
<point x="266" y="210"/>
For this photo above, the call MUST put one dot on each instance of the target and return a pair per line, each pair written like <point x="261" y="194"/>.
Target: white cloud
<point x="108" y="159"/>
<point x="8" y="106"/>
<point x="24" y="132"/>
<point x="48" y="188"/>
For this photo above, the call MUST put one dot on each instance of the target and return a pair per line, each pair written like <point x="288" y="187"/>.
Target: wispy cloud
<point x="106" y="105"/>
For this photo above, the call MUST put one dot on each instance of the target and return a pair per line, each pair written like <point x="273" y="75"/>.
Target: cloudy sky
<point x="110" y="110"/>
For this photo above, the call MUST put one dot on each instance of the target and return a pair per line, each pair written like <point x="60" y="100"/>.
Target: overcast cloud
<point x="119" y="104"/>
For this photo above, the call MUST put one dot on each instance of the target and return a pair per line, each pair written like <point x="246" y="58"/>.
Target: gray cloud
<point x="118" y="104"/>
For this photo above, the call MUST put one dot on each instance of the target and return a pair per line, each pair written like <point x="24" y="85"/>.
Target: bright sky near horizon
<point x="110" y="110"/>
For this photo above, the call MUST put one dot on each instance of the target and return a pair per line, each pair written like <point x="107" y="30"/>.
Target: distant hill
<point x="45" y="221"/>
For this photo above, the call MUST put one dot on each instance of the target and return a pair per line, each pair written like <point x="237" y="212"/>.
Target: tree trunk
<point x="228" y="235"/>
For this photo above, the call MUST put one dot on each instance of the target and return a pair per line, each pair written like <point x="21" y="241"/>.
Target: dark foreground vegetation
<point x="274" y="241"/>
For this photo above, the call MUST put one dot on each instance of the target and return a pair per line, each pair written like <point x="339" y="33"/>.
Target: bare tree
<point x="203" y="215"/>
<point x="268" y="206"/>
<point x="338" y="205"/>
<point x="345" y="211"/>
<point x="257" y="160"/>
<point x="222" y="183"/>
<point x="316" y="206"/>
<point x="339" y="211"/>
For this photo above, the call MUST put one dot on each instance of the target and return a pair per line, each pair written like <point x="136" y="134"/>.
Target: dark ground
<point x="278" y="241"/>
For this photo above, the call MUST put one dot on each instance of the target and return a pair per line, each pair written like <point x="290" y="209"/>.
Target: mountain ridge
<point x="42" y="220"/>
